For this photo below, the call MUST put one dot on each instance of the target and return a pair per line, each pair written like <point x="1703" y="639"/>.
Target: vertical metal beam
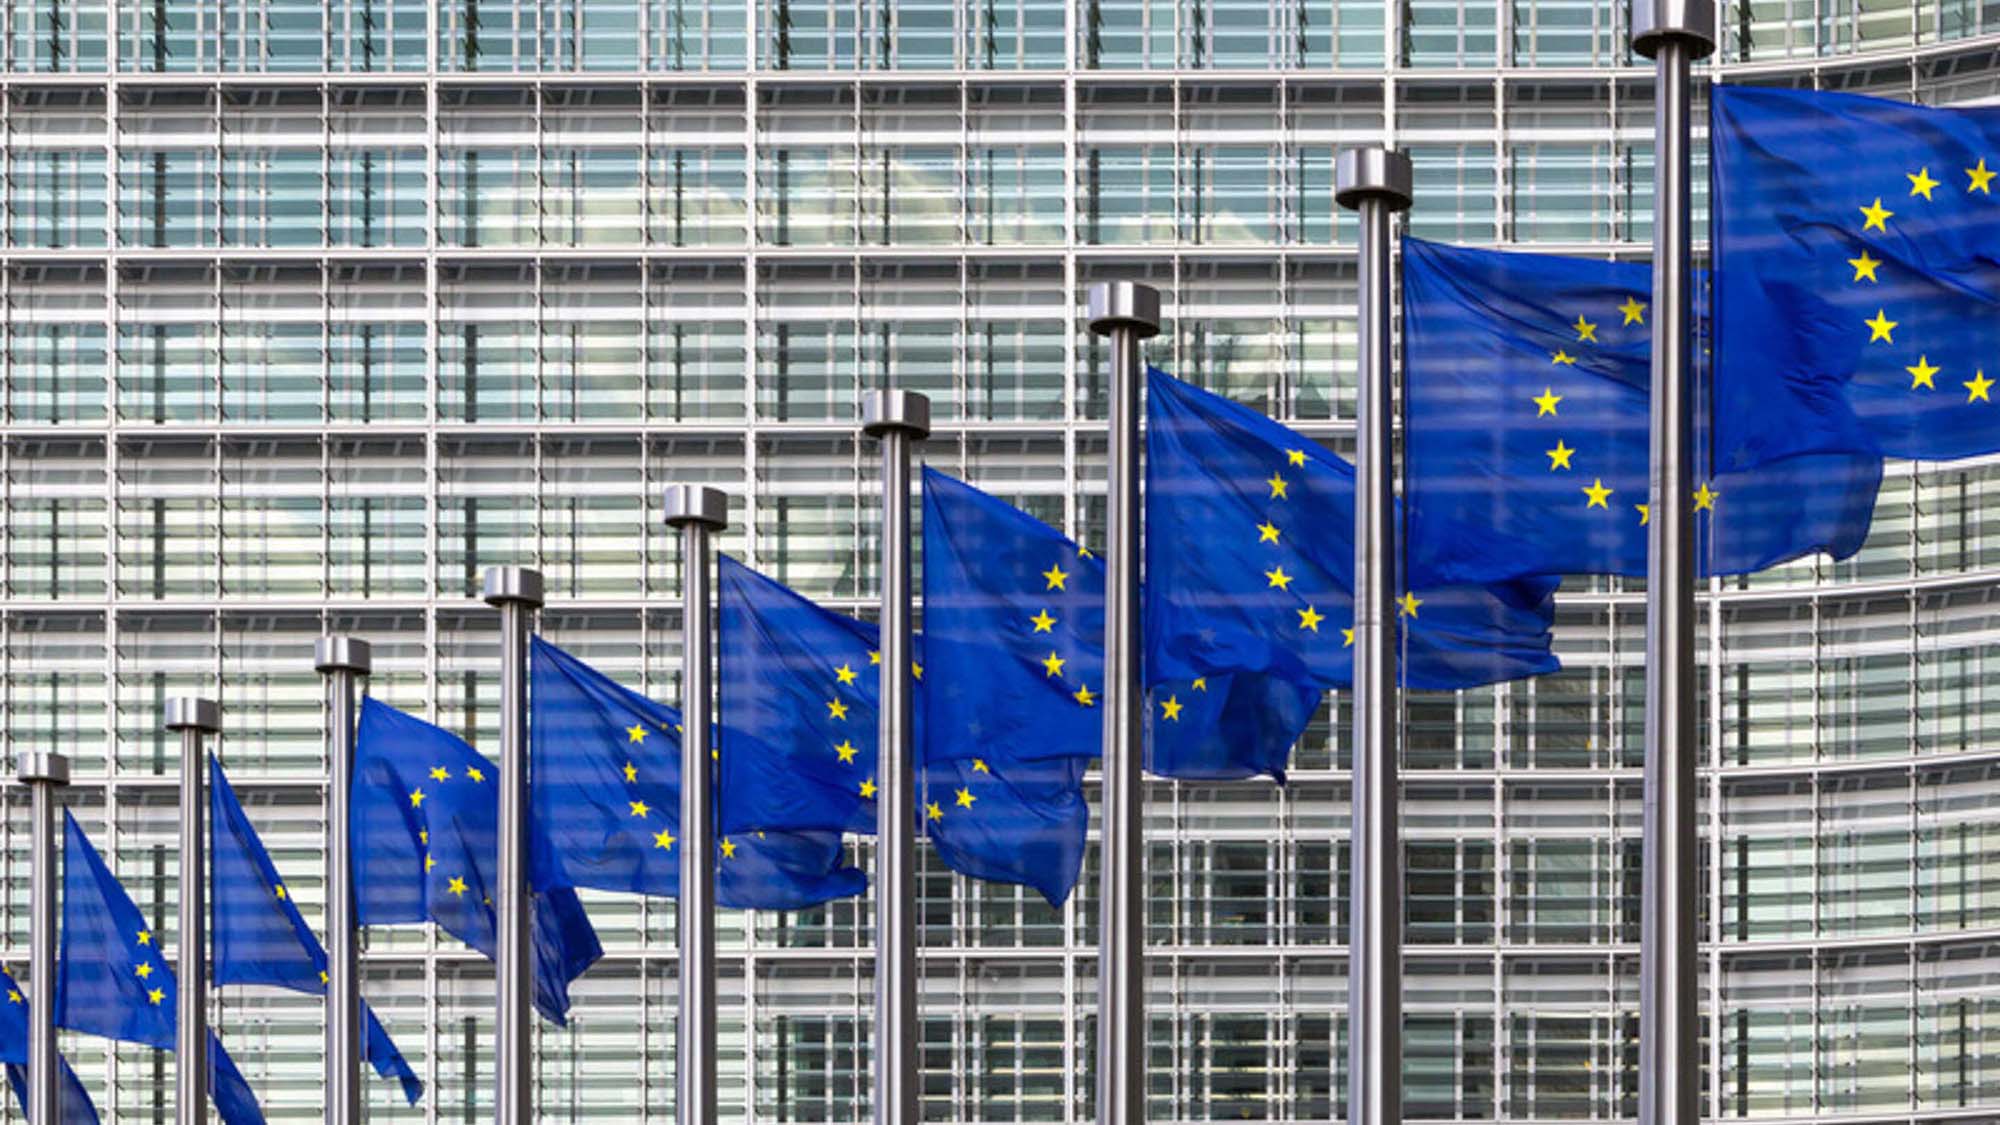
<point x="192" y="718"/>
<point x="1126" y="312"/>
<point x="1673" y="33"/>
<point x="1374" y="182"/>
<point x="897" y="419"/>
<point x="699" y="513"/>
<point x="341" y="662"/>
<point x="517" y="592"/>
<point x="44" y="772"/>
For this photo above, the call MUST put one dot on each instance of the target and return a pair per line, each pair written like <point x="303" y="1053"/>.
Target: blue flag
<point x="76" y="1107"/>
<point x="426" y="815"/>
<point x="800" y="715"/>
<point x="1526" y="397"/>
<point x="1856" y="274"/>
<point x="1017" y="608"/>
<point x="111" y="980"/>
<point x="606" y="798"/>
<point x="1250" y="563"/>
<point x="259" y="936"/>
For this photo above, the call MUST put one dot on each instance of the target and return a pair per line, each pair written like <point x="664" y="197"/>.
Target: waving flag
<point x="76" y="1106"/>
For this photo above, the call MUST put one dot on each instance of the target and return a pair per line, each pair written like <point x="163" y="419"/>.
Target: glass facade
<point x="314" y="310"/>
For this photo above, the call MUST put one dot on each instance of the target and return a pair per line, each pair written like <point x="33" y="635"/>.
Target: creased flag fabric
<point x="1250" y="563"/>
<point x="800" y="720"/>
<point x="1856" y="274"/>
<point x="606" y="798"/>
<point x="112" y="981"/>
<point x="1526" y="390"/>
<point x="75" y="1106"/>
<point x="259" y="937"/>
<point x="426" y="815"/>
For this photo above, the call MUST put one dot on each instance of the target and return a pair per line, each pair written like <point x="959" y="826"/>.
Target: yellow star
<point x="1585" y="330"/>
<point x="323" y="978"/>
<point x="1278" y="485"/>
<point x="1563" y="357"/>
<point x="1982" y="178"/>
<point x="1921" y="182"/>
<point x="456" y="886"/>
<point x="1878" y="217"/>
<point x="1056" y="576"/>
<point x="728" y="848"/>
<point x="867" y="787"/>
<point x="1296" y="456"/>
<point x="144" y="970"/>
<point x="1408" y="603"/>
<point x="845" y="750"/>
<point x="1597" y="493"/>
<point x="875" y="657"/>
<point x="1200" y="684"/>
<point x="1975" y="387"/>
<point x="1559" y="456"/>
<point x="933" y="812"/>
<point x="1267" y="532"/>
<point x="13" y="996"/>
<point x="1864" y="267"/>
<point x="1704" y="498"/>
<point x="835" y="709"/>
<point x="1042" y="622"/>
<point x="1084" y="696"/>
<point x="1309" y="618"/>
<point x="635" y="733"/>
<point x="631" y="773"/>
<point x="1879" y="328"/>
<point x="1347" y="638"/>
<point x="474" y="773"/>
<point x="664" y="839"/>
<point x="1170" y="708"/>
<point x="424" y="837"/>
<point x="1920" y="375"/>
<point x="1546" y="402"/>
<point x="439" y="773"/>
<point x="639" y="808"/>
<point x="844" y="673"/>
<point x="965" y="798"/>
<point x="1278" y="578"/>
<point x="979" y="766"/>
<point x="430" y="861"/>
<point x="1634" y="310"/>
<point x="916" y="670"/>
<point x="1052" y="664"/>
<point x="417" y="798"/>
<point x="281" y="891"/>
<point x="156" y="996"/>
<point x="1645" y="513"/>
<point x="145" y="937"/>
<point x="1083" y="552"/>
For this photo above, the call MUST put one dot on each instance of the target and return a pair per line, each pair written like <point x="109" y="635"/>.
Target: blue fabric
<point x="111" y="980"/>
<point x="1526" y="396"/>
<point x="76" y="1107"/>
<point x="606" y="798"/>
<point x="1834" y="210"/>
<point x="800" y="715"/>
<point x="425" y="823"/>
<point x="258" y="935"/>
<point x="1250" y="563"/>
<point x="1017" y="608"/>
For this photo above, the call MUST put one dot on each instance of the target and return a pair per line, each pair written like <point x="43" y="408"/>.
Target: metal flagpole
<point x="699" y="513"/>
<point x="898" y="418"/>
<point x="1374" y="182"/>
<point x="1127" y="312"/>
<point x="44" y="771"/>
<point x="1673" y="33"/>
<point x="517" y="593"/>
<point x="192" y="718"/>
<point x="341" y="662"/>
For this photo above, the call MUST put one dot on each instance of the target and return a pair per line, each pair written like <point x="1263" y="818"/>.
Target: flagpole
<point x="341" y="662"/>
<point x="1374" y="182"/>
<point x="1126" y="312"/>
<point x="897" y="419"/>
<point x="1673" y="33"/>
<point x="45" y="772"/>
<point x="517" y="592"/>
<point x="698" y="512"/>
<point x="193" y="718"/>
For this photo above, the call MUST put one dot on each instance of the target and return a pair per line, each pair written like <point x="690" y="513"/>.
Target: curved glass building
<point x="315" y="308"/>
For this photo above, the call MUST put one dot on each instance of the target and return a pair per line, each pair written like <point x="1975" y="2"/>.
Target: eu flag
<point x="1250" y="563"/>
<point x="606" y="799"/>
<point x="75" y="1105"/>
<point x="1856" y="274"/>
<point x="259" y="936"/>
<point x="112" y="981"/>
<point x="800" y="717"/>
<point x="426" y="815"/>
<point x="1526" y="397"/>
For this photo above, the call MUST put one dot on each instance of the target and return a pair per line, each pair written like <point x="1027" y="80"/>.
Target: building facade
<point x="314" y="310"/>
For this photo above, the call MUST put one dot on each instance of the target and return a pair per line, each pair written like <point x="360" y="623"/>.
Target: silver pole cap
<point x="696" y="504"/>
<point x="1372" y="173"/>
<point x="1656" y="22"/>
<point x="342" y="654"/>
<point x="1124" y="304"/>
<point x="185" y="712"/>
<point x="42" y="765"/>
<point x="505" y="584"/>
<point x="887" y="412"/>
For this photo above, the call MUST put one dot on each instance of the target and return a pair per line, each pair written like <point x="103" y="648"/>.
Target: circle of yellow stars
<point x="1875" y="216"/>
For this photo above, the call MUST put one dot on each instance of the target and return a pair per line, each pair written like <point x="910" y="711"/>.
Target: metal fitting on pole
<point x="897" y="419"/>
<point x="341" y="663"/>
<point x="44" y="772"/>
<point x="1673" y="33"/>
<point x="193" y="718"/>
<point x="1375" y="182"/>
<point x="698" y="513"/>
<point x="517" y="593"/>
<point x="1126" y="312"/>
